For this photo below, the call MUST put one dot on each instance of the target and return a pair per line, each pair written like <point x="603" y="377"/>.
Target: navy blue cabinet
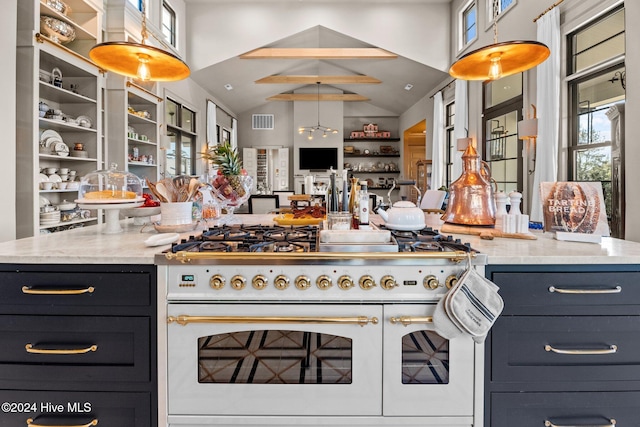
<point x="566" y="349"/>
<point x="78" y="345"/>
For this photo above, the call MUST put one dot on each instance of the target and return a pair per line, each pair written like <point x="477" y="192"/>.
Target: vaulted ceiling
<point x="237" y="82"/>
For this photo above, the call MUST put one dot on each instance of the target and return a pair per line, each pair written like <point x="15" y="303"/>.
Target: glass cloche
<point x="110" y="186"/>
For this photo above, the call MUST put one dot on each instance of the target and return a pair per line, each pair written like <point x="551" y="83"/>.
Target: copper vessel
<point x="471" y="199"/>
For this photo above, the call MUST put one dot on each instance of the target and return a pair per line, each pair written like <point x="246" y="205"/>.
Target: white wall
<point x="8" y="27"/>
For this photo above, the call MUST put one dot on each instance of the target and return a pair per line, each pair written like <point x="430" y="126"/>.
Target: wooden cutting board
<point x="483" y="232"/>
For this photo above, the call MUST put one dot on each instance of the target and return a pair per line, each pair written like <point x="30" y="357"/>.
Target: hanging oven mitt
<point x="470" y="307"/>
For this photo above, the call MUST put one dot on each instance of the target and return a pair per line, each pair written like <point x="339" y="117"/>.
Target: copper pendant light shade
<point x="139" y="60"/>
<point x="514" y="57"/>
<point x="126" y="58"/>
<point x="499" y="59"/>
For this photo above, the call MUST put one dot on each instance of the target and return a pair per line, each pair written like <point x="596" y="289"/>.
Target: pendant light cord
<point x="318" y="83"/>
<point x="143" y="31"/>
<point x="495" y="22"/>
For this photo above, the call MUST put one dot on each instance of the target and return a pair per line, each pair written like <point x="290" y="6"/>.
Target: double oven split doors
<point x="315" y="359"/>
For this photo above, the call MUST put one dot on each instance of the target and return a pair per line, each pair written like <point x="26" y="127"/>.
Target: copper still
<point x="471" y="199"/>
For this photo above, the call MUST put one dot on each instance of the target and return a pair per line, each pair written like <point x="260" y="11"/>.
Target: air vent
<point x="262" y="122"/>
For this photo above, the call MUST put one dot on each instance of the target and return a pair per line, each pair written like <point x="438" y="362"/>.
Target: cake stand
<point x="112" y="209"/>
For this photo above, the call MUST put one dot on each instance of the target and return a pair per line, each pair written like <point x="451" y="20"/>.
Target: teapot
<point x="403" y="215"/>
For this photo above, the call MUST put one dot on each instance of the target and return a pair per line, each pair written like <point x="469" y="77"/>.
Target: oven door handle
<point x="411" y="320"/>
<point x="357" y="320"/>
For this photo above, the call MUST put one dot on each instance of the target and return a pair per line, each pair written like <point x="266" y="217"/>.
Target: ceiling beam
<point x="325" y="80"/>
<point x="319" y="53"/>
<point x="316" y="97"/>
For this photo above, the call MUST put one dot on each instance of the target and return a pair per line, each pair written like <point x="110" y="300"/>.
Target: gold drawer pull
<point x="615" y="290"/>
<point x="30" y="291"/>
<point x="612" y="423"/>
<point x="409" y="320"/>
<point x="185" y="319"/>
<point x="612" y="349"/>
<point x="31" y="349"/>
<point x="93" y="422"/>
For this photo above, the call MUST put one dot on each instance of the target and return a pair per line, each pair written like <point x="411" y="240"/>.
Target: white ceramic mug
<point x="64" y="171"/>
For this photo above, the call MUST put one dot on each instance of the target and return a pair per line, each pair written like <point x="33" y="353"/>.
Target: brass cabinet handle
<point x="615" y="290"/>
<point x="185" y="319"/>
<point x="410" y="320"/>
<point x="612" y="349"/>
<point x="31" y="349"/>
<point x="30" y="291"/>
<point x="612" y="423"/>
<point x="93" y="422"/>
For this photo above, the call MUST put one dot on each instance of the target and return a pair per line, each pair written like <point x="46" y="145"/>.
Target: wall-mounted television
<point x="314" y="158"/>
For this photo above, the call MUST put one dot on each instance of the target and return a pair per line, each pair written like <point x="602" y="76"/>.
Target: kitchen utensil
<point x="160" y="196"/>
<point x="403" y="215"/>
<point x="163" y="193"/>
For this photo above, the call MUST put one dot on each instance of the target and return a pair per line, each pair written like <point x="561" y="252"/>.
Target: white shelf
<point x="63" y="223"/>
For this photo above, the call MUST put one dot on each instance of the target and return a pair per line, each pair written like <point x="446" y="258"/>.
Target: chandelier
<point x="499" y="59"/>
<point x="310" y="130"/>
<point x="139" y="60"/>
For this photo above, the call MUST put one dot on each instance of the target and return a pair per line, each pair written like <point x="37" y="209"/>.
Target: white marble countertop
<point x="89" y="245"/>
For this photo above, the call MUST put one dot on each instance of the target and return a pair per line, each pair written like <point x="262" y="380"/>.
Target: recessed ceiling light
<point x="409" y="86"/>
<point x="228" y="87"/>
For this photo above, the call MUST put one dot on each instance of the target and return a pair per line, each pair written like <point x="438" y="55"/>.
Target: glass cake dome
<point x="110" y="186"/>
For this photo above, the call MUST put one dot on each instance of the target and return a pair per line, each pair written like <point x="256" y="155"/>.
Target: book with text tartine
<point x="574" y="208"/>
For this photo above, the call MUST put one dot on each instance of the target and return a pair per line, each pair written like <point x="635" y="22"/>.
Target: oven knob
<point x="388" y="282"/>
<point x="345" y="283"/>
<point x="324" y="282"/>
<point x="303" y="282"/>
<point x="259" y="282"/>
<point x="238" y="282"/>
<point x="430" y="282"/>
<point x="451" y="281"/>
<point x="216" y="282"/>
<point x="367" y="282"/>
<point x="281" y="282"/>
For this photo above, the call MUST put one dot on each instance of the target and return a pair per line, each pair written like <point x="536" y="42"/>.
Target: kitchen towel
<point x="470" y="307"/>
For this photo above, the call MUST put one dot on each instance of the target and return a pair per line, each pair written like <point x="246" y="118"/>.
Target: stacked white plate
<point x="50" y="218"/>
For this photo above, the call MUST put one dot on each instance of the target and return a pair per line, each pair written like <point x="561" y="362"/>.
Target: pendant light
<point x="319" y="128"/>
<point x="499" y="59"/>
<point x="139" y="60"/>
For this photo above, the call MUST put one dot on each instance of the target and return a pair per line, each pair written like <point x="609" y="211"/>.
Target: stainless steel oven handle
<point x="615" y="290"/>
<point x="358" y="320"/>
<point x="612" y="423"/>
<point x="411" y="320"/>
<point x="611" y="350"/>
<point x="93" y="422"/>
<point x="31" y="291"/>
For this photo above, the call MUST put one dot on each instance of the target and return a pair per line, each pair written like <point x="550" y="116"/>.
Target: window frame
<point x="136" y="4"/>
<point x="450" y="140"/>
<point x="491" y="15"/>
<point x="181" y="133"/>
<point x="462" y="27"/>
<point x="173" y="28"/>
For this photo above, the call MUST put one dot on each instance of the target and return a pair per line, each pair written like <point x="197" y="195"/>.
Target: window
<point x="597" y="54"/>
<point x="502" y="149"/>
<point x="168" y="24"/>
<point x="468" y="21"/>
<point x="136" y="3"/>
<point x="497" y="8"/>
<point x="181" y="128"/>
<point x="450" y="114"/>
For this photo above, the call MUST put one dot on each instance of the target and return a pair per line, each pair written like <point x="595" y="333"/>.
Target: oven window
<point x="425" y="358"/>
<point x="274" y="357"/>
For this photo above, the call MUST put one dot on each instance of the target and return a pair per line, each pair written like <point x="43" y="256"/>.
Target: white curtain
<point x="234" y="133"/>
<point x="212" y="120"/>
<point x="460" y="126"/>
<point x="437" y="153"/>
<point x="548" y="98"/>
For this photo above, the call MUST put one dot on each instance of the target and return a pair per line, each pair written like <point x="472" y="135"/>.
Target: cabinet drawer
<point x="121" y="352"/>
<point x="559" y="290"/>
<point x="55" y="408"/>
<point x="564" y="409"/>
<point x="87" y="289"/>
<point x="519" y="352"/>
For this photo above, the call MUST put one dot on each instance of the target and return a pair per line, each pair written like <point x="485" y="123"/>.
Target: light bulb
<point x="310" y="137"/>
<point x="495" y="69"/>
<point x="143" y="72"/>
